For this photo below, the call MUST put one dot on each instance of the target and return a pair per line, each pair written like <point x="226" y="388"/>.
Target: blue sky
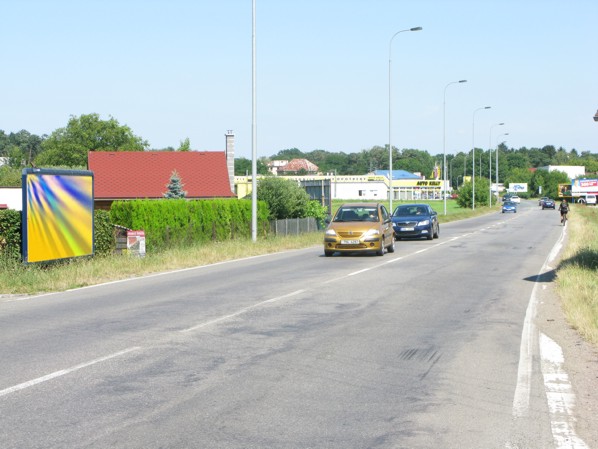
<point x="180" y="69"/>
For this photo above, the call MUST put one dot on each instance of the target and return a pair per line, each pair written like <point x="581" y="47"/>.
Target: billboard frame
<point x="57" y="214"/>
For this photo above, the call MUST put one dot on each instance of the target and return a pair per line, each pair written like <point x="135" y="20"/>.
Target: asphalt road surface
<point x="433" y="346"/>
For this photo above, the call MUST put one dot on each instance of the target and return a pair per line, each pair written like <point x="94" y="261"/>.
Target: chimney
<point x="230" y="158"/>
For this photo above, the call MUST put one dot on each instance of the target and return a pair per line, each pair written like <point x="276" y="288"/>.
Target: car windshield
<point x="409" y="210"/>
<point x="353" y="213"/>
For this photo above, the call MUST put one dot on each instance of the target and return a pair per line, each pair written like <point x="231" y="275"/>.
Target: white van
<point x="591" y="199"/>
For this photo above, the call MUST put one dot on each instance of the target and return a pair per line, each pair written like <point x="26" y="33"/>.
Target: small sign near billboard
<point x="136" y="243"/>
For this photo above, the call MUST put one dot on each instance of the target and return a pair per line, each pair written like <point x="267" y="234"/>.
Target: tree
<point x="482" y="193"/>
<point x="175" y="187"/>
<point x="185" y="145"/>
<point x="285" y="198"/>
<point x="69" y="146"/>
<point x="243" y="167"/>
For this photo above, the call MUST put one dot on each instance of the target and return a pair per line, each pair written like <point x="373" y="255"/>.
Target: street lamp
<point x="444" y="138"/>
<point x="490" y="162"/>
<point x="473" y="156"/>
<point x="390" y="192"/>
<point x="505" y="134"/>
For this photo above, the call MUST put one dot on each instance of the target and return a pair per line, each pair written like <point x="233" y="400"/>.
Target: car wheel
<point x="437" y="233"/>
<point x="430" y="235"/>
<point x="380" y="252"/>
<point x="328" y="253"/>
<point x="391" y="247"/>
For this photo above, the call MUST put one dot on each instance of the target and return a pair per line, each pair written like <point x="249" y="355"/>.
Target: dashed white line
<point x="64" y="372"/>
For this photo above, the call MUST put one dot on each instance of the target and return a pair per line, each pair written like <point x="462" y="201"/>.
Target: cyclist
<point x="564" y="209"/>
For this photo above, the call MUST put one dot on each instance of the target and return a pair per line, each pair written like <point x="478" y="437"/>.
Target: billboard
<point x="57" y="214"/>
<point x="517" y="187"/>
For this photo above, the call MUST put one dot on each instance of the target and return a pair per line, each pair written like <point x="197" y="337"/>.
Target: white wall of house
<point x="359" y="190"/>
<point x="573" y="171"/>
<point x="12" y="197"/>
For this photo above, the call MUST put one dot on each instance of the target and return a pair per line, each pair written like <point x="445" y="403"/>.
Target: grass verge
<point x="577" y="274"/>
<point x="16" y="278"/>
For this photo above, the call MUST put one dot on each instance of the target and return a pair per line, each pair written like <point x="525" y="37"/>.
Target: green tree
<point x="175" y="187"/>
<point x="520" y="175"/>
<point x="69" y="146"/>
<point x="482" y="193"/>
<point x="243" y="167"/>
<point x="185" y="145"/>
<point x="285" y="198"/>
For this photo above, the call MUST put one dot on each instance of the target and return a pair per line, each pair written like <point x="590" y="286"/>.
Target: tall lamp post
<point x="473" y="156"/>
<point x="390" y="191"/>
<point x="505" y="134"/>
<point x="444" y="139"/>
<point x="490" y="162"/>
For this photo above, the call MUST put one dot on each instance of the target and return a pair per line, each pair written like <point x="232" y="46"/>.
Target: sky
<point x="329" y="74"/>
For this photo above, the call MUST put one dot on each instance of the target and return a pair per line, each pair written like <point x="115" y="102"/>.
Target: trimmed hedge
<point x="171" y="222"/>
<point x="10" y="234"/>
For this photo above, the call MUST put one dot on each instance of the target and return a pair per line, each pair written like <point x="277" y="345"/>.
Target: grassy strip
<point x="16" y="278"/>
<point x="577" y="277"/>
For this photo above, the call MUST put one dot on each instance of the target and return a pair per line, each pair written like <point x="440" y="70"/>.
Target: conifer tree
<point x="175" y="187"/>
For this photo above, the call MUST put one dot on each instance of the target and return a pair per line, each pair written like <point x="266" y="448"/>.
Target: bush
<point x="285" y="198"/>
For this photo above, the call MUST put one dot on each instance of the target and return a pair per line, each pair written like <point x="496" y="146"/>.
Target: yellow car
<point x="360" y="227"/>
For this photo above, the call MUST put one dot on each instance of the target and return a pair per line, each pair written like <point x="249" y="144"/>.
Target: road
<point x="432" y="346"/>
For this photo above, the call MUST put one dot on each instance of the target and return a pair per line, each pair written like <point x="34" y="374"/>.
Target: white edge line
<point x="63" y="372"/>
<point x="560" y="396"/>
<point x="151" y="275"/>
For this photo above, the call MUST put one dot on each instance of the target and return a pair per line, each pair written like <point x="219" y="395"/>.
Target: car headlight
<point x="330" y="232"/>
<point x="424" y="223"/>
<point x="372" y="233"/>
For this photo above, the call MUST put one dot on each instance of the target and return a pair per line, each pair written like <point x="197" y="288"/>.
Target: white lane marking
<point x="152" y="275"/>
<point x="558" y="389"/>
<point x="241" y="311"/>
<point x="528" y="335"/>
<point x="560" y="396"/>
<point x="63" y="372"/>
<point x="526" y="350"/>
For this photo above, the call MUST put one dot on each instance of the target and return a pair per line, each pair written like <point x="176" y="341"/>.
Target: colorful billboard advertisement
<point x="57" y="214"/>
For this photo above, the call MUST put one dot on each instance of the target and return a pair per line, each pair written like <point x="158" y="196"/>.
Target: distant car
<point x="415" y="221"/>
<point x="541" y="200"/>
<point x="360" y="227"/>
<point x="548" y="204"/>
<point x="507" y="197"/>
<point x="515" y="199"/>
<point x="509" y="206"/>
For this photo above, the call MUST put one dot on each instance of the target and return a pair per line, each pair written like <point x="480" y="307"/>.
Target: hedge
<point x="169" y="222"/>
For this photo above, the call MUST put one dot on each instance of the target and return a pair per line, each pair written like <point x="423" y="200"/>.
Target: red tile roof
<point x="145" y="174"/>
<point x="299" y="164"/>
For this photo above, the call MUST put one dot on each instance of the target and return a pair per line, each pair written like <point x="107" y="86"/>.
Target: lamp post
<point x="473" y="156"/>
<point x="505" y="134"/>
<point x="390" y="191"/>
<point x="253" y="130"/>
<point x="490" y="162"/>
<point x="444" y="138"/>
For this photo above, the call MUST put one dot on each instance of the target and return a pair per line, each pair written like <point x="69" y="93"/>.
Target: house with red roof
<point x="127" y="175"/>
<point x="298" y="166"/>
